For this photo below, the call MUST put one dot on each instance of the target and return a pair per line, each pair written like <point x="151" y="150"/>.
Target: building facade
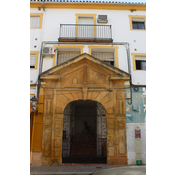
<point x="88" y="72"/>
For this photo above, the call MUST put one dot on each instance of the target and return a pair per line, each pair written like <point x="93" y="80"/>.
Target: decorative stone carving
<point x="84" y="78"/>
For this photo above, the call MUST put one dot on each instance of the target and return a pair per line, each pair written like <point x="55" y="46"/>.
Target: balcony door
<point x="86" y="27"/>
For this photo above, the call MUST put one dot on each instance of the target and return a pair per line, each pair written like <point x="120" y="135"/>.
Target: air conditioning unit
<point x="48" y="50"/>
<point x="102" y="19"/>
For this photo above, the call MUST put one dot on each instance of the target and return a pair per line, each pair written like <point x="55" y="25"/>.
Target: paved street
<point x="88" y="170"/>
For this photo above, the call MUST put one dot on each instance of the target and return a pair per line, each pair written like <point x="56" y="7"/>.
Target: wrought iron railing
<point x="85" y="32"/>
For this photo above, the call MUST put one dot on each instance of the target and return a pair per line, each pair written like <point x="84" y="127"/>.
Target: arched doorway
<point x="84" y="133"/>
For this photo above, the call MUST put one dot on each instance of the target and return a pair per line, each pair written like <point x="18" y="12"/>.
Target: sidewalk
<point x="73" y="169"/>
<point x="130" y="170"/>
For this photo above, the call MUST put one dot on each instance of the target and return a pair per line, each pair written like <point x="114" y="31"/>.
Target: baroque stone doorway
<point x="83" y="78"/>
<point x="84" y="133"/>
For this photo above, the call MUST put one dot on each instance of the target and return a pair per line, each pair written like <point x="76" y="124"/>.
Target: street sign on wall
<point x="138" y="145"/>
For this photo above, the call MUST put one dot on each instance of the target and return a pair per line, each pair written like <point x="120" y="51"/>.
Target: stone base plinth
<point x="36" y="159"/>
<point x="117" y="161"/>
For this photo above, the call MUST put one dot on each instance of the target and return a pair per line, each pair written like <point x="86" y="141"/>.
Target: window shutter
<point x="65" y="56"/>
<point x="142" y="58"/>
<point x="34" y="21"/>
<point x="104" y="56"/>
<point x="32" y="59"/>
<point x="138" y="19"/>
<point x="85" y="20"/>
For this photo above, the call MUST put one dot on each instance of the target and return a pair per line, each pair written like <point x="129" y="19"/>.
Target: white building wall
<point x="35" y="45"/>
<point x="52" y="18"/>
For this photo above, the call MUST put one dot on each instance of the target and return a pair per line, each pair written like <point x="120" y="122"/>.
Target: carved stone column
<point x="52" y="127"/>
<point x="111" y="152"/>
<point x="116" y="129"/>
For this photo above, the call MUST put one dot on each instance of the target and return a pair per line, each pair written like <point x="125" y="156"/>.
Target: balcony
<point x="85" y="33"/>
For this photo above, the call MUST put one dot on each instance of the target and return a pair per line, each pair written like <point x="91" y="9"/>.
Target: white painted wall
<point x="52" y="18"/>
<point x="35" y="40"/>
<point x="47" y="63"/>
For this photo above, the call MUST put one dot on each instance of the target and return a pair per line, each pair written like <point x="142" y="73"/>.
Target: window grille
<point x="107" y="57"/>
<point x="65" y="56"/>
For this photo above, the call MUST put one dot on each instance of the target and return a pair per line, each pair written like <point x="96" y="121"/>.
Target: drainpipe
<point x="43" y="6"/>
<point x="126" y="44"/>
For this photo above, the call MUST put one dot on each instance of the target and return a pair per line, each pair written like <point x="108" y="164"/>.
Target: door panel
<point x="84" y="134"/>
<point x="86" y="31"/>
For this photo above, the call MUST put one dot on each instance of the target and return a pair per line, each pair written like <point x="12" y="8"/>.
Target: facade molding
<point x="77" y="5"/>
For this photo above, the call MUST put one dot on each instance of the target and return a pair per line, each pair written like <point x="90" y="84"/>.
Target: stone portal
<point x="83" y="78"/>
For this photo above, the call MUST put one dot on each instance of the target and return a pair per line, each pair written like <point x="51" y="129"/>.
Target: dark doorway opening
<point x="84" y="133"/>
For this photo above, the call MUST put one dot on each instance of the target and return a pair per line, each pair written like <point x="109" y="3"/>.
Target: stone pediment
<point x="84" y="70"/>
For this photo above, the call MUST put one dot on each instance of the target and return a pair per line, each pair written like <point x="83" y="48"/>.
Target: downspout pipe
<point x="126" y="44"/>
<point x="43" y="6"/>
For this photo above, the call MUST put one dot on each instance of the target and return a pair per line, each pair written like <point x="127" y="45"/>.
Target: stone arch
<point x="90" y="117"/>
<point x="103" y="97"/>
<point x="54" y="104"/>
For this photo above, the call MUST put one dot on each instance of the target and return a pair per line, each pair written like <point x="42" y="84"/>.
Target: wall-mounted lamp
<point x="33" y="102"/>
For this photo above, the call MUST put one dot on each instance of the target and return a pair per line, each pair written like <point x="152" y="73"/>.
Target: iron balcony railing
<point x="85" y="32"/>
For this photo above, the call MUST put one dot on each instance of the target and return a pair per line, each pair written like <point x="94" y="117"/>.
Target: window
<point x="34" y="59"/>
<point x="137" y="22"/>
<point x="65" y="56"/>
<point x="66" y="52"/>
<point x="107" y="57"/>
<point x="139" y="61"/>
<point x="86" y="19"/>
<point x="36" y="20"/>
<point x="138" y="25"/>
<point x="107" y="54"/>
<point x="140" y="65"/>
<point x="82" y="28"/>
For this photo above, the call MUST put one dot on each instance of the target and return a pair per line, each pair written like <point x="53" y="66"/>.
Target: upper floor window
<point x="107" y="54"/>
<point x="65" y="56"/>
<point x="36" y="20"/>
<point x="139" y="61"/>
<point x="137" y="22"/>
<point x="34" y="59"/>
<point x="64" y="53"/>
<point x="107" y="57"/>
